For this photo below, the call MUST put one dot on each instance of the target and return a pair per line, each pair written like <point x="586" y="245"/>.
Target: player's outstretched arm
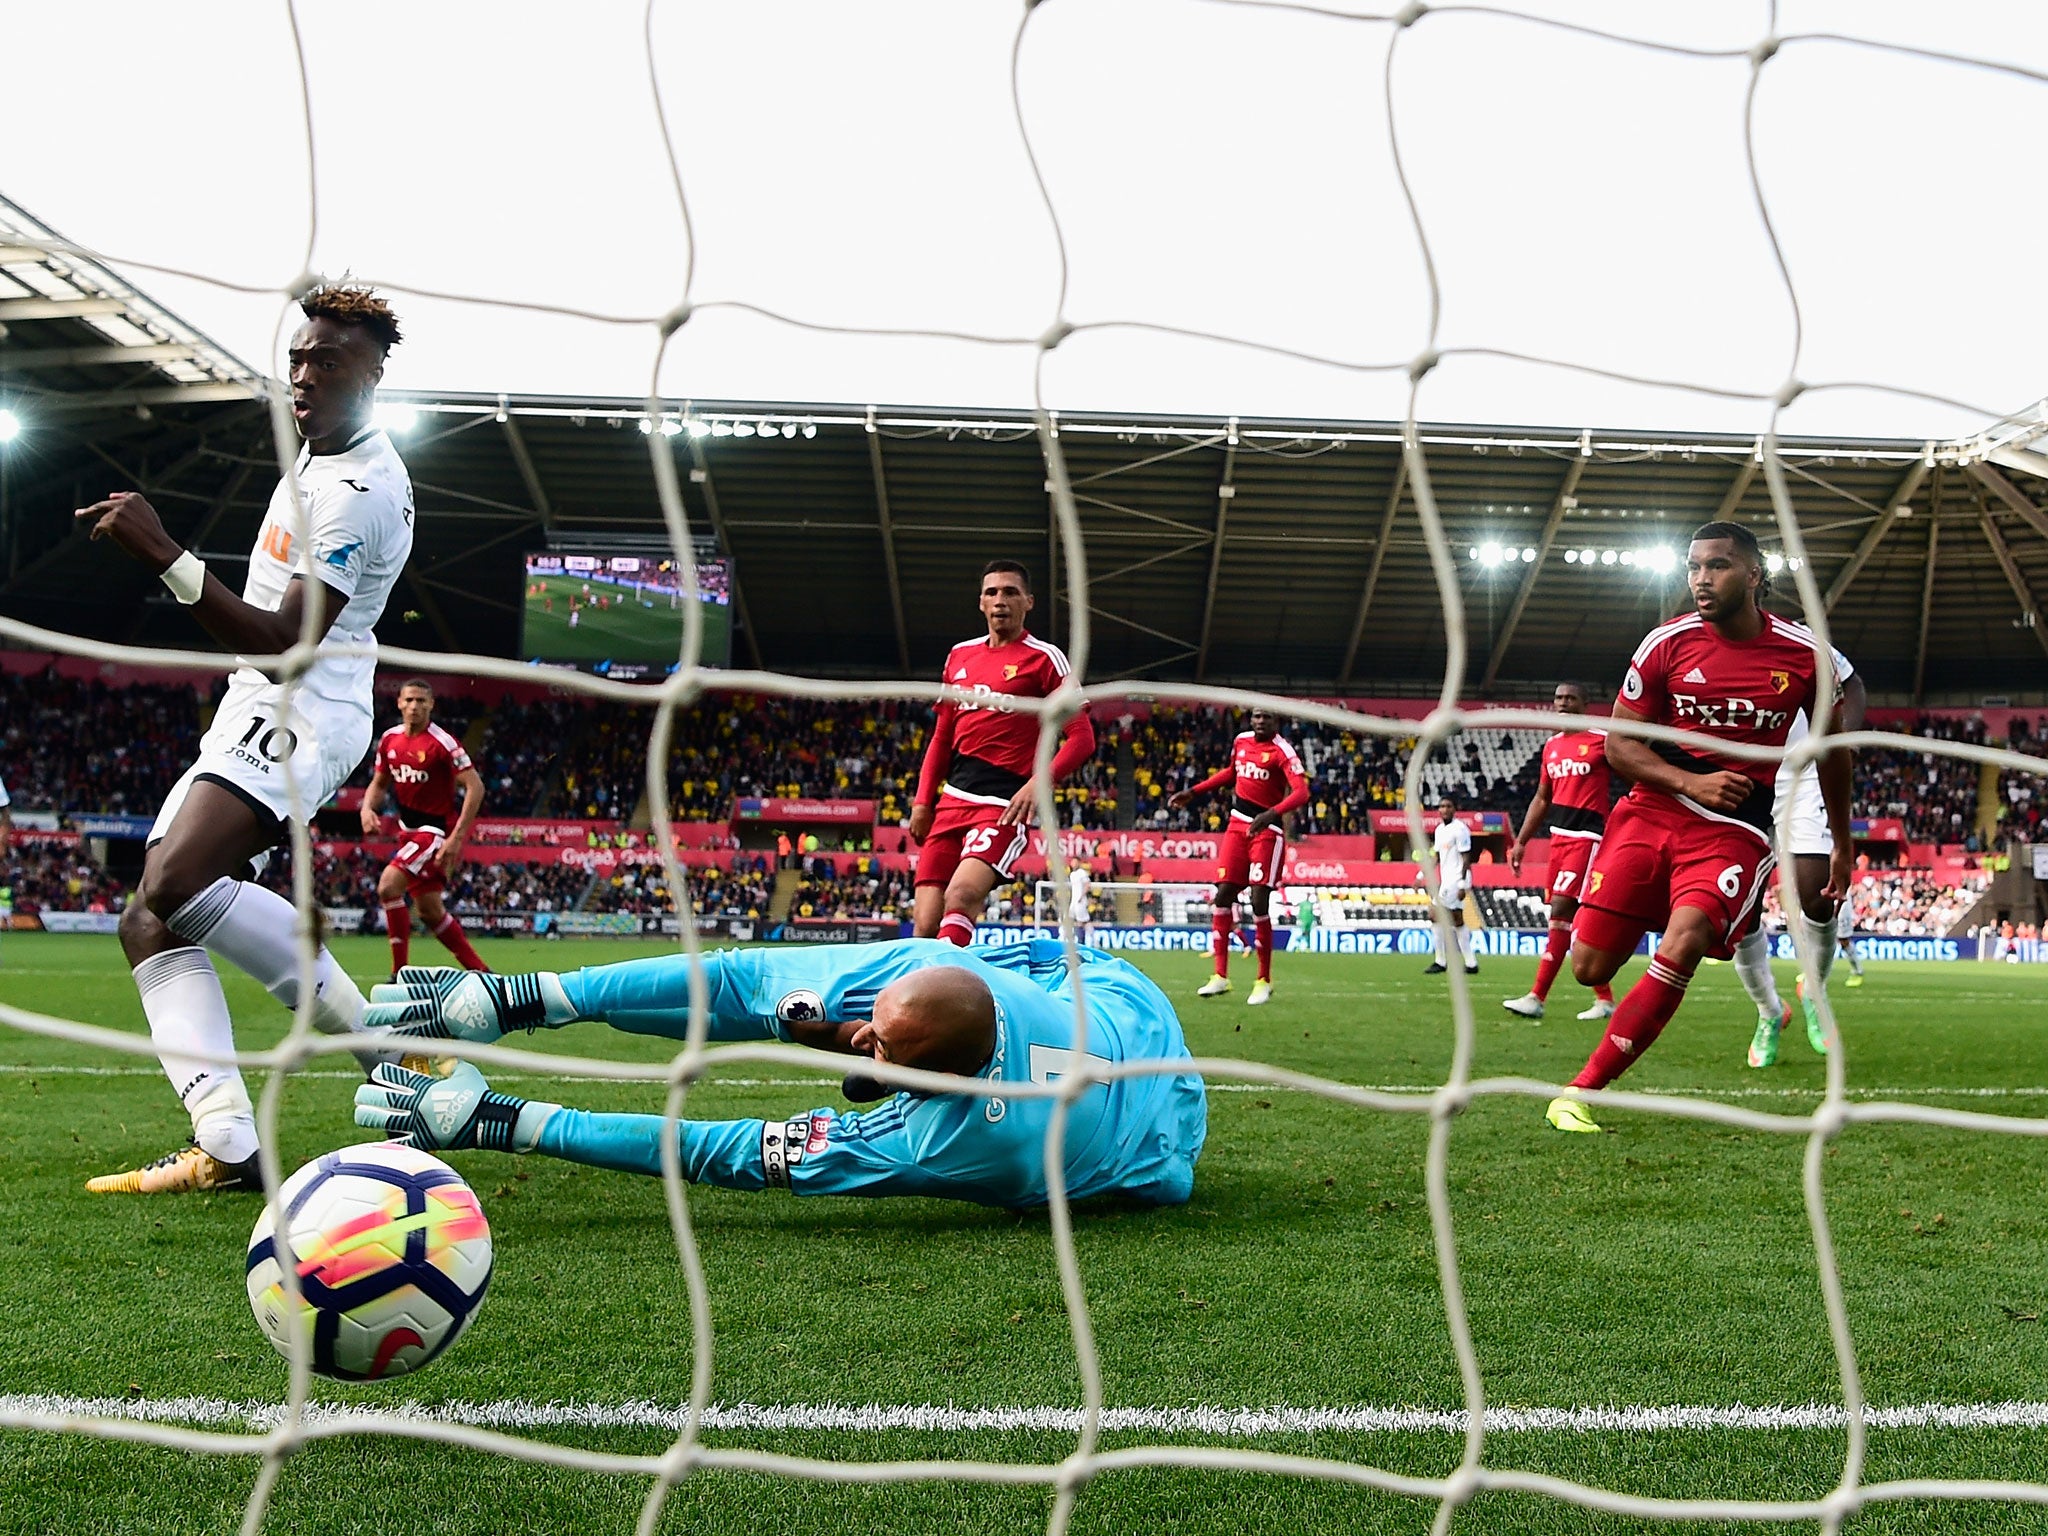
<point x="1638" y="762"/>
<point x="814" y="1153"/>
<point x="811" y="997"/>
<point x="132" y="523"/>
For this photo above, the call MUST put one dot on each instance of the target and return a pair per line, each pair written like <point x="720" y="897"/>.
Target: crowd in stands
<point x="1350" y="776"/>
<point x="1901" y="903"/>
<point x="52" y="877"/>
<point x="344" y="875"/>
<point x="741" y="892"/>
<point x="879" y="894"/>
<point x="75" y="745"/>
<point x="1934" y="795"/>
<point x="2024" y="796"/>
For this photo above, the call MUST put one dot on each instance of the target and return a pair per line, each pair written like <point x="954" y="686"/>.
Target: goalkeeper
<point x="1001" y="1015"/>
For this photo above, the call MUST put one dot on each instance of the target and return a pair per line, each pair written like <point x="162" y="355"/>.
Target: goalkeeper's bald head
<point x="939" y="1019"/>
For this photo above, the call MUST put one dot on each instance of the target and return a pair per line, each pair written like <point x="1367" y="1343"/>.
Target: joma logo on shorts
<point x="1729" y="714"/>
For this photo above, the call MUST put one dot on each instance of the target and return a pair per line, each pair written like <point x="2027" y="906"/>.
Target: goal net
<point x="293" y="1428"/>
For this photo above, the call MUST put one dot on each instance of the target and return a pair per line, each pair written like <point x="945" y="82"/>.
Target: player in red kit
<point x="975" y="795"/>
<point x="1266" y="781"/>
<point x="422" y="766"/>
<point x="1689" y="849"/>
<point x="1573" y="794"/>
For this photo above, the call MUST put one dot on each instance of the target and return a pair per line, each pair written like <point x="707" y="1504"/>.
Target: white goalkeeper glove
<point x="445" y="1003"/>
<point x="440" y="1114"/>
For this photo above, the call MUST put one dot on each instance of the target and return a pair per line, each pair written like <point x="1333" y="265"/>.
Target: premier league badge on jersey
<point x="802" y="1006"/>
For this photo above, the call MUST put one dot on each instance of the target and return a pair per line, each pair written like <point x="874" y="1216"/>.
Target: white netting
<point x="291" y="1427"/>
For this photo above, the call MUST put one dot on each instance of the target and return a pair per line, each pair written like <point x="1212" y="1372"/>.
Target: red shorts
<point x="417" y="850"/>
<point x="1246" y="860"/>
<point x="1658" y="856"/>
<point x="1571" y="859"/>
<point x="968" y="829"/>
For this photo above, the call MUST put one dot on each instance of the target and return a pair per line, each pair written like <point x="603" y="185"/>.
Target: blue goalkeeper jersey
<point x="1136" y="1136"/>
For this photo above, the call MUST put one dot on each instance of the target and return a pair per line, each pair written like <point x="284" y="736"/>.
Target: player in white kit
<point x="1077" y="908"/>
<point x="340" y="548"/>
<point x="1452" y="840"/>
<point x="1799" y="807"/>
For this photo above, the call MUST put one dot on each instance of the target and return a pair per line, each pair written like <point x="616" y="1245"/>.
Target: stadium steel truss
<point x="1415" y="510"/>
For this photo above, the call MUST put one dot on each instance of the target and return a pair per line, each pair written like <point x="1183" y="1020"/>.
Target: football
<point x="393" y="1256"/>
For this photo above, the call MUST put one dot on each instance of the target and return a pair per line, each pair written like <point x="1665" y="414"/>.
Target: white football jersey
<point x="357" y="507"/>
<point x="1453" y="841"/>
<point x="1799" y="730"/>
<point x="1077" y="880"/>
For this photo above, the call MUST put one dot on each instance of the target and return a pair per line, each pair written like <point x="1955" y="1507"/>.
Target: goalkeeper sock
<point x="1555" y="949"/>
<point x="1753" y="966"/>
<point x="456" y="942"/>
<point x="1263" y="929"/>
<point x="1222" y="923"/>
<point x="1604" y="991"/>
<point x="957" y="928"/>
<point x="1822" y="937"/>
<point x="188" y="1013"/>
<point x="1637" y="1023"/>
<point x="254" y="928"/>
<point x="398" y="928"/>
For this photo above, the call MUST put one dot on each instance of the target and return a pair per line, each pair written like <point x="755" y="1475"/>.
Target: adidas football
<point x="392" y="1253"/>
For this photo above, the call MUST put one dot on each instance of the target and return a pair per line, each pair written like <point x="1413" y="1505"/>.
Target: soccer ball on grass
<point x="393" y="1256"/>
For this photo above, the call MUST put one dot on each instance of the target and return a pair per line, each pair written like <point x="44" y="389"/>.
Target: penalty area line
<point x="2035" y="1091"/>
<point x="31" y="1409"/>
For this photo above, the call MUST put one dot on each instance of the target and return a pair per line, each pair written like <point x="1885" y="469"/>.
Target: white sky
<point x="1215" y="167"/>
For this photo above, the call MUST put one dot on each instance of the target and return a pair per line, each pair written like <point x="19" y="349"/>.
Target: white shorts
<point x="1806" y="817"/>
<point x="1078" y="911"/>
<point x="249" y="742"/>
<point x="1452" y="897"/>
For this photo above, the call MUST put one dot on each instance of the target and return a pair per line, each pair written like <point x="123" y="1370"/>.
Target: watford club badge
<point x="1781" y="681"/>
<point x="1010" y="672"/>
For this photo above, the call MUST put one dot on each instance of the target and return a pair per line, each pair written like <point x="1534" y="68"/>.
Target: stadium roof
<point x="1272" y="553"/>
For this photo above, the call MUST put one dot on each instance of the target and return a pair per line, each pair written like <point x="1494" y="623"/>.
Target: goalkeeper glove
<point x="444" y="1003"/>
<point x="440" y="1114"/>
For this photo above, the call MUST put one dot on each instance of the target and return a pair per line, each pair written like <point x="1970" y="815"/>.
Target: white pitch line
<point x="29" y="1409"/>
<point x="16" y="1069"/>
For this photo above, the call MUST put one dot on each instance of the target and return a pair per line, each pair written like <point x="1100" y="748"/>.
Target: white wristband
<point x="186" y="577"/>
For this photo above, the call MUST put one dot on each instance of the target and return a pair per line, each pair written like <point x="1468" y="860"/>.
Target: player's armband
<point x="785" y="1143"/>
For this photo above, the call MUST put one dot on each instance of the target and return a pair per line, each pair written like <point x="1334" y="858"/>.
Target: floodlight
<point x="396" y="416"/>
<point x="1489" y="554"/>
<point x="1607" y="557"/>
<point x="1662" y="561"/>
<point x="670" y="428"/>
<point x="1529" y="556"/>
<point x="698" y="428"/>
<point x="10" y="426"/>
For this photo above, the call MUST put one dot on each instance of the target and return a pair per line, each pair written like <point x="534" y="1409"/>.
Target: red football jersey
<point x="422" y="772"/>
<point x="1685" y="674"/>
<point x="985" y="751"/>
<point x="1575" y="768"/>
<point x="1262" y="776"/>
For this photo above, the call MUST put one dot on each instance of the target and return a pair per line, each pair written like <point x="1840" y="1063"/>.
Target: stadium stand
<point x="1935" y="796"/>
<point x="46" y="878"/>
<point x="142" y="735"/>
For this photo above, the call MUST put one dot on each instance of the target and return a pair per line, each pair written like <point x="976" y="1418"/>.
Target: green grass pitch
<point x="625" y="631"/>
<point x="1666" y="1262"/>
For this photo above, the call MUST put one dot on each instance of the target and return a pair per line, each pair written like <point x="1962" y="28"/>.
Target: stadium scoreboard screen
<point x="621" y="614"/>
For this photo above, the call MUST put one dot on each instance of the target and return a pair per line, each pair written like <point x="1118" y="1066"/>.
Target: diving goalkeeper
<point x="1000" y="1015"/>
